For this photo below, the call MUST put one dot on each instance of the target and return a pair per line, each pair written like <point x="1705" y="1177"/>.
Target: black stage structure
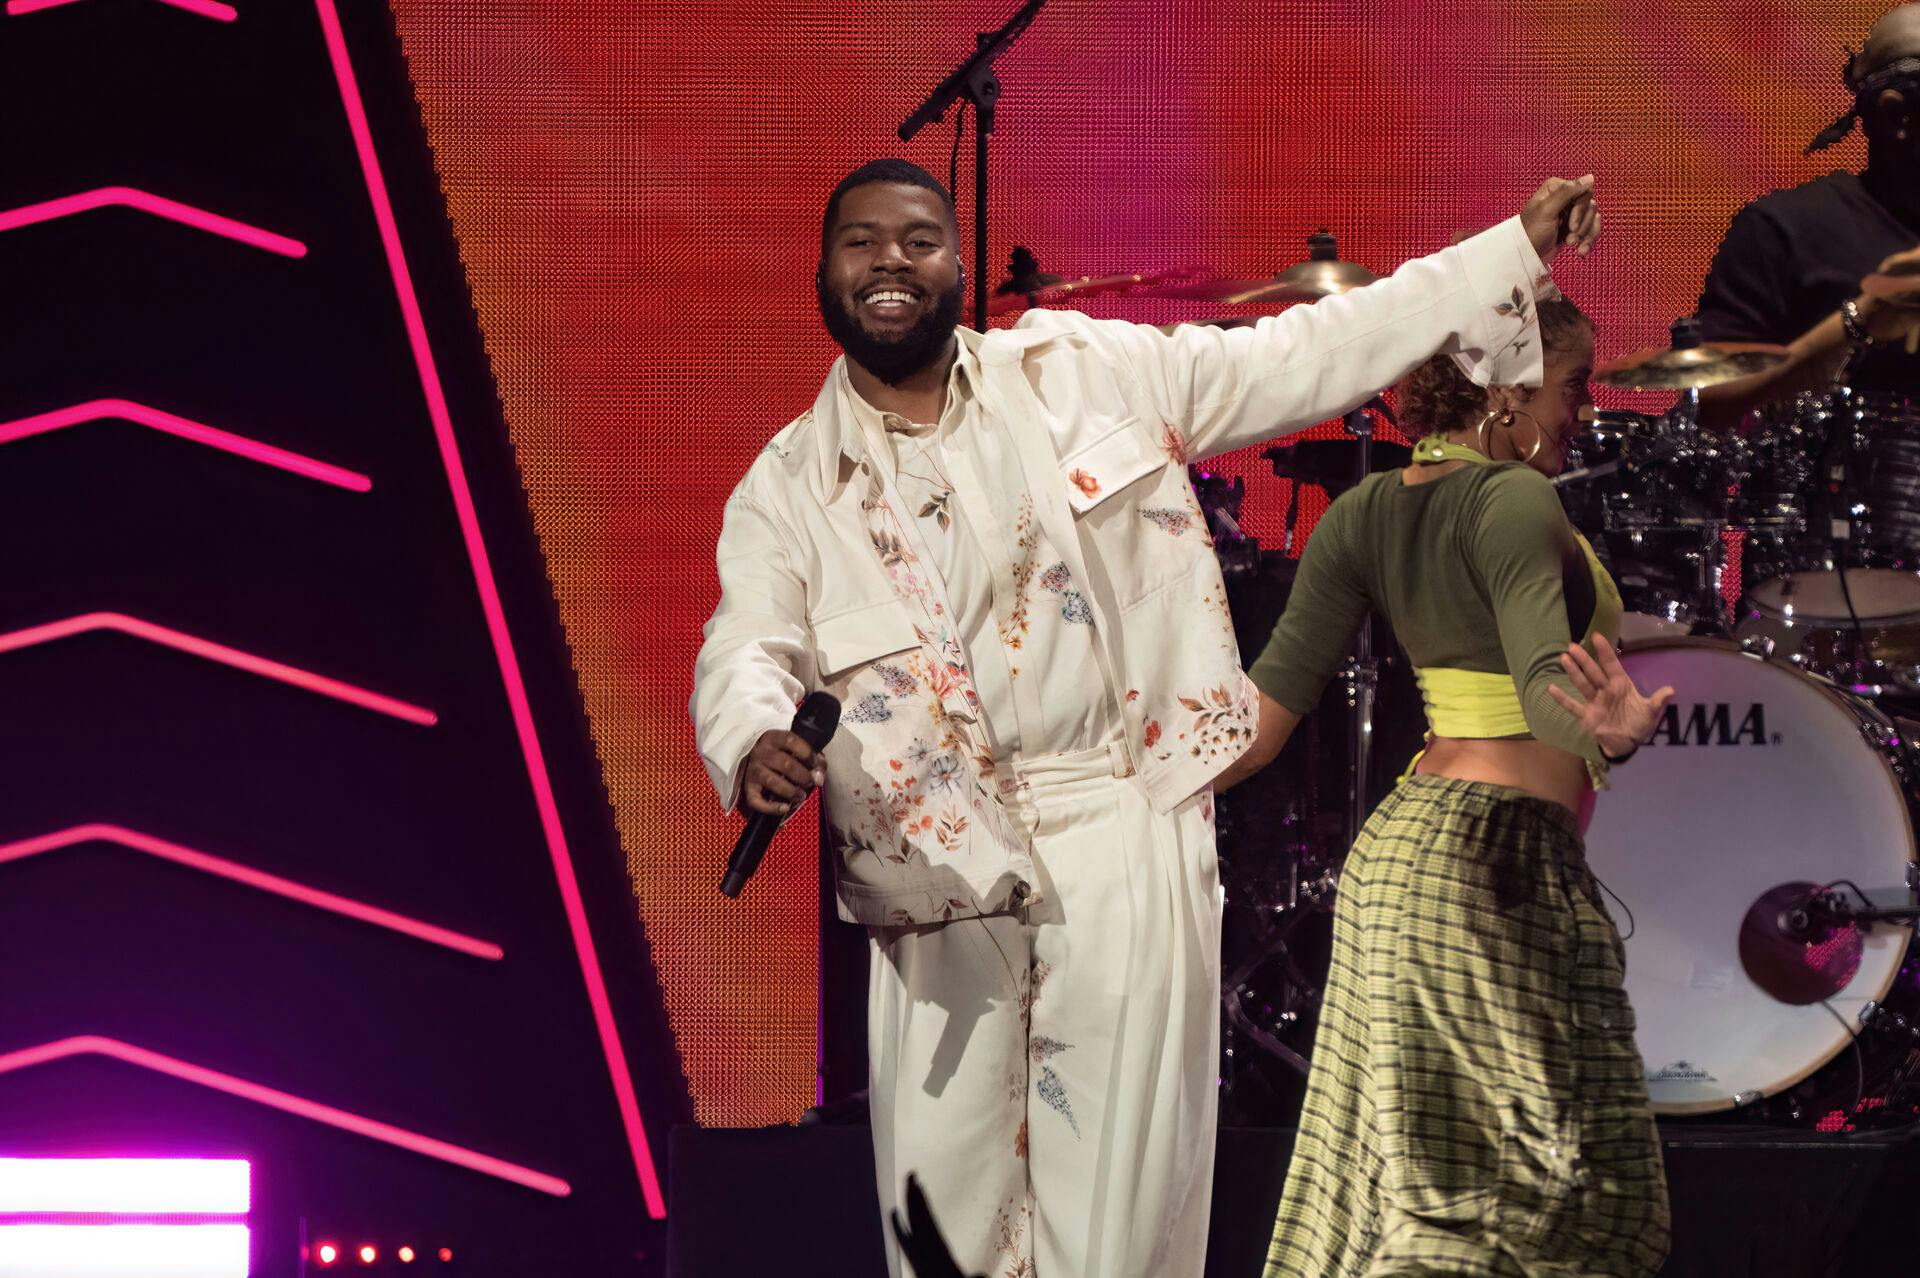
<point x="304" y="852"/>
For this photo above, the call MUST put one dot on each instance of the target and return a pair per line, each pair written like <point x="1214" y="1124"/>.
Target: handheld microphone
<point x="814" y="723"/>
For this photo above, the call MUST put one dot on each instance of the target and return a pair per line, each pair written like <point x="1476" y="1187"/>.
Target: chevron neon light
<point x="157" y="205"/>
<point x="285" y="1102"/>
<point x="205" y="8"/>
<point x="207" y="649"/>
<point x="138" y="1186"/>
<point x="124" y="1251"/>
<point x="207" y="863"/>
<point x="183" y="428"/>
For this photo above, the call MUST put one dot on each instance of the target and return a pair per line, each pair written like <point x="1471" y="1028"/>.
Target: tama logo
<point x="1713" y="725"/>
<point x="1680" y="1072"/>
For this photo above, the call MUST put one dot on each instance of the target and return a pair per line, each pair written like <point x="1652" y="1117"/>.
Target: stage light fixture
<point x="446" y="1254"/>
<point x="326" y="1253"/>
<point x="405" y="1254"/>
<point x="368" y="1253"/>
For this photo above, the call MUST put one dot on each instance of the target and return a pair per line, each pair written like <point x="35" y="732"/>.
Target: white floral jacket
<point x="822" y="585"/>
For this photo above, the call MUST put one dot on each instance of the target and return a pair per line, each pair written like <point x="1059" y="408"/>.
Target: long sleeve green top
<point x="1477" y="570"/>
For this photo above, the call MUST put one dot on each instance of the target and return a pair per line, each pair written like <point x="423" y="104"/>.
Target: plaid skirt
<point x="1477" y="1104"/>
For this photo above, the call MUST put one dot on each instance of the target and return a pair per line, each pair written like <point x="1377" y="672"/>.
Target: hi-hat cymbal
<point x="1058" y="292"/>
<point x="1694" y="367"/>
<point x="1322" y="275"/>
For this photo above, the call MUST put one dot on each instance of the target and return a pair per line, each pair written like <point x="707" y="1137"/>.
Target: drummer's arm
<point x="1814" y="361"/>
<point x="1326" y="607"/>
<point x="1816" y="356"/>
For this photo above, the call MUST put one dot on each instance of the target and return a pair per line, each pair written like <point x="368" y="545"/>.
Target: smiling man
<point x="986" y="546"/>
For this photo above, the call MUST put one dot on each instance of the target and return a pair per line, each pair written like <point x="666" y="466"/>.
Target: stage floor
<point x="1747" y="1202"/>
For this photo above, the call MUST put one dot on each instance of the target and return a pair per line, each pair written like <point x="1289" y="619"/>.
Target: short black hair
<point x="874" y="172"/>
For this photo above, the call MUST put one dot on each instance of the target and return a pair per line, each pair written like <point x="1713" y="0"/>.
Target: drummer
<point x="1790" y="269"/>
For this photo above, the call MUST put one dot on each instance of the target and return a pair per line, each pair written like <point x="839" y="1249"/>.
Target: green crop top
<point x="1483" y="581"/>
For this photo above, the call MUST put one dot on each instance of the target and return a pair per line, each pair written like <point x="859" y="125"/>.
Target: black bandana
<point x="1901" y="73"/>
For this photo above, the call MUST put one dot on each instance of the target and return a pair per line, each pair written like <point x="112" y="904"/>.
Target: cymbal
<point x="1707" y="364"/>
<point x="1055" y="292"/>
<point x="1322" y="275"/>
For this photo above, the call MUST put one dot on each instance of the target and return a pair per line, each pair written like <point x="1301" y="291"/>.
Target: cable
<point x="1632" y="927"/>
<point x="1859" y="1060"/>
<point x="1859" y="634"/>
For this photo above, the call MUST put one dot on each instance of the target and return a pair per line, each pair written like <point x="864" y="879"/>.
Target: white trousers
<point x="1050" y="1075"/>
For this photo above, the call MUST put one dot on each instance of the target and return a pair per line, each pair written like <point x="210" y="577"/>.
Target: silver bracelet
<point x="1850" y="321"/>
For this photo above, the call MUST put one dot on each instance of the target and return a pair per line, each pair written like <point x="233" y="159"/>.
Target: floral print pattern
<point x="1168" y="519"/>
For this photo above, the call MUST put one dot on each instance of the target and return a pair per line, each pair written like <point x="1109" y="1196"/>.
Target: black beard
<point x="892" y="361"/>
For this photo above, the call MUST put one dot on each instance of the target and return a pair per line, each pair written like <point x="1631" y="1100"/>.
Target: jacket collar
<point x="836" y="432"/>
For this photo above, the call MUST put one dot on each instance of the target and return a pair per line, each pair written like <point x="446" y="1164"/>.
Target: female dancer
<point x="1477" y="1105"/>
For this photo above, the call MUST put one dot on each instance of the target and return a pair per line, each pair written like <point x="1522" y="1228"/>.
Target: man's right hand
<point x="781" y="769"/>
<point x="1561" y="213"/>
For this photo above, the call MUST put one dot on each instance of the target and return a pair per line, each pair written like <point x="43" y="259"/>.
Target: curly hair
<point x="1437" y="398"/>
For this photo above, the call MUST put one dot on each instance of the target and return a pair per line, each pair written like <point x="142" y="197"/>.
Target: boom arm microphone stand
<point x="975" y="81"/>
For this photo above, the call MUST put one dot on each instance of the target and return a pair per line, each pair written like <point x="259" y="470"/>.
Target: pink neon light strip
<point x="509" y="664"/>
<point x="195" y="646"/>
<point x="185" y="428"/>
<point x="159" y="206"/>
<point x="124" y="1251"/>
<point x="205" y="8"/>
<point x="126" y="1186"/>
<point x="200" y="1075"/>
<point x="207" y="863"/>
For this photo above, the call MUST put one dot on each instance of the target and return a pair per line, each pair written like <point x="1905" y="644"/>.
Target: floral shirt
<point x="1016" y="609"/>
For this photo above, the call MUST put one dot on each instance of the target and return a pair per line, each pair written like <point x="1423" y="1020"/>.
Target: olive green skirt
<point x="1477" y="1105"/>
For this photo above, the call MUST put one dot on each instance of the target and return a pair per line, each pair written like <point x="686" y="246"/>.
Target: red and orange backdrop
<point x="636" y="187"/>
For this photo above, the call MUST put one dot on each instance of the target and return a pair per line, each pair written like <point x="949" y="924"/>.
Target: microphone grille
<point x="817" y="719"/>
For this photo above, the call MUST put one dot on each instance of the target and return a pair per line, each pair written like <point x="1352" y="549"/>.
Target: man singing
<point x="986" y="546"/>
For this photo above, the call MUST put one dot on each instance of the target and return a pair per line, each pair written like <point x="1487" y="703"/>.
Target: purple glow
<point x="132" y="1251"/>
<point x="144" y="1186"/>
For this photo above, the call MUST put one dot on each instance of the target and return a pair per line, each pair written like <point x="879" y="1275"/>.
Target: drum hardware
<point x="1323" y="274"/>
<point x="1026" y="286"/>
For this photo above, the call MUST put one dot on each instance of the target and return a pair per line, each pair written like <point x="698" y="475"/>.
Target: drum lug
<point x="1757" y="646"/>
<point x="1877" y="734"/>
<point x="1748" y="1098"/>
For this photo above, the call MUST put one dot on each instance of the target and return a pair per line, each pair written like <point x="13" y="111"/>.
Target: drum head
<point x="1758" y="777"/>
<point x="1816" y="599"/>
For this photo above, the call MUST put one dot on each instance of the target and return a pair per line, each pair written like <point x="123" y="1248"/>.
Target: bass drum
<point x="1758" y="780"/>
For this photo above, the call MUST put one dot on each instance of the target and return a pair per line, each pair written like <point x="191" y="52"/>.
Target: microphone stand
<point x="975" y="81"/>
<point x="1363" y="672"/>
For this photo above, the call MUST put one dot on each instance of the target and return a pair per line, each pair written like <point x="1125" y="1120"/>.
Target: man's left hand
<point x="1562" y="213"/>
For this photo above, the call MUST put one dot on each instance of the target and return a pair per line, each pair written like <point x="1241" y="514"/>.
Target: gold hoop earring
<point x="1481" y="435"/>
<point x="1539" y="436"/>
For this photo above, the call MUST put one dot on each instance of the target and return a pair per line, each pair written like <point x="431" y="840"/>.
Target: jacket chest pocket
<point x="1137" y="506"/>
<point x="869" y="656"/>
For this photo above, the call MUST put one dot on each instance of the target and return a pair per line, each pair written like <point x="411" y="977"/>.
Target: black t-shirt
<point x="1791" y="257"/>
